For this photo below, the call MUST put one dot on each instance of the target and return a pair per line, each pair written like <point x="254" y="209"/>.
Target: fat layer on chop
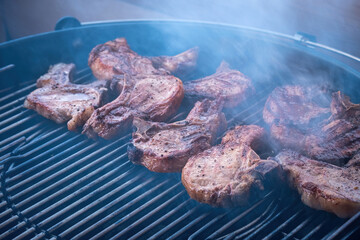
<point x="163" y="147"/>
<point x="229" y="84"/>
<point x="150" y="97"/>
<point x="322" y="185"/>
<point x="231" y="173"/>
<point x="62" y="101"/>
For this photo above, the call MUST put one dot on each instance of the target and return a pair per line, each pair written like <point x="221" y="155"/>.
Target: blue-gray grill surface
<point x="59" y="184"/>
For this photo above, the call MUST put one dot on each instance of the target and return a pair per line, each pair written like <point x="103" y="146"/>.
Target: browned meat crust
<point x="334" y="139"/>
<point x="163" y="147"/>
<point x="116" y="58"/>
<point x="62" y="101"/>
<point x="179" y="64"/>
<point x="150" y="97"/>
<point x="230" y="173"/>
<point x="339" y="138"/>
<point x="294" y="105"/>
<point x="324" y="186"/>
<point x="231" y="85"/>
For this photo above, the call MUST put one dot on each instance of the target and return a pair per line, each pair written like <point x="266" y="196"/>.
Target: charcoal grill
<point x="57" y="184"/>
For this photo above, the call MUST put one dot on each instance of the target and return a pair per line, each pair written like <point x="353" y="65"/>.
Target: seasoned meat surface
<point x="62" y="101"/>
<point x="233" y="86"/>
<point x="178" y="64"/>
<point x="116" y="58"/>
<point x="163" y="147"/>
<point x="150" y="97"/>
<point x="60" y="73"/>
<point x="231" y="173"/>
<point x="322" y="185"/>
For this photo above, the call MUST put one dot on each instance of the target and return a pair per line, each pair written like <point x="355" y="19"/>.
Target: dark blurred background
<point x="334" y="23"/>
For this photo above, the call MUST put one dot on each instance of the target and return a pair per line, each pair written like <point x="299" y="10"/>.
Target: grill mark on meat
<point x="167" y="147"/>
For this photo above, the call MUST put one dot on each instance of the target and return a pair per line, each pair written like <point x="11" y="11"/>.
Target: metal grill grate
<point x="59" y="184"/>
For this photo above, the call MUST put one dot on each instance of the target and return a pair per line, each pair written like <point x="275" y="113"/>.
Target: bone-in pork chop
<point x="116" y="58"/>
<point x="62" y="101"/>
<point x="322" y="185"/>
<point x="231" y="173"/>
<point x="163" y="147"/>
<point x="229" y="84"/>
<point x="149" y="97"/>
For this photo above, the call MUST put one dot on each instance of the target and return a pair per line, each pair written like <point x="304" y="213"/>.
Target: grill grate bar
<point x="189" y="225"/>
<point x="174" y="223"/>
<point x="24" y="178"/>
<point x="159" y="220"/>
<point x="351" y="221"/>
<point x="16" y="124"/>
<point x="271" y="213"/>
<point x="40" y="148"/>
<point x="20" y="134"/>
<point x="230" y="223"/>
<point x="269" y="236"/>
<point x="13" y="230"/>
<point x="313" y="231"/>
<point x="47" y="180"/>
<point x="350" y="233"/>
<point x="108" y="195"/>
<point x="44" y="133"/>
<point x="296" y="229"/>
<point x="26" y="233"/>
<point x="47" y="183"/>
<point x="151" y="213"/>
<point x="284" y="210"/>
<point x="124" y="207"/>
<point x="109" y="205"/>
<point x="9" y="221"/>
<point x="11" y="112"/>
<point x="99" y="190"/>
<point x="5" y="213"/>
<point x="73" y="185"/>
<point x="206" y="226"/>
<point x="253" y="225"/>
<point x="15" y="118"/>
